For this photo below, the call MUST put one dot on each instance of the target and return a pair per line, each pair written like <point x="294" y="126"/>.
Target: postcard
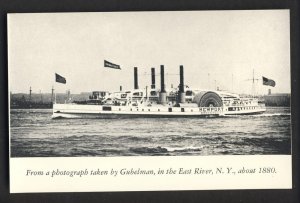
<point x="149" y="101"/>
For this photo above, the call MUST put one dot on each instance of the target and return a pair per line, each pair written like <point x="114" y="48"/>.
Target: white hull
<point x="99" y="111"/>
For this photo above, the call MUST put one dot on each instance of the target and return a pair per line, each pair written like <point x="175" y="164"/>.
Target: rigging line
<point x="159" y="74"/>
<point x="149" y="74"/>
<point x="252" y="79"/>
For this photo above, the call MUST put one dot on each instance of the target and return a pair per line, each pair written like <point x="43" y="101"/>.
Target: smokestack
<point x="269" y="92"/>
<point x="162" y="94"/>
<point x="162" y="79"/>
<point x="121" y="88"/>
<point x="181" y="86"/>
<point x="136" y="86"/>
<point x="152" y="78"/>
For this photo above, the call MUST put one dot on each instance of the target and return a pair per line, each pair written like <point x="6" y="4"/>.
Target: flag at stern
<point x="269" y="82"/>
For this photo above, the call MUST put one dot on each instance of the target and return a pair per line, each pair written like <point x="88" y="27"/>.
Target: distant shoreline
<point x="45" y="101"/>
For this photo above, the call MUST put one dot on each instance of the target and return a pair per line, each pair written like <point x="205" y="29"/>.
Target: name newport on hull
<point x="175" y="102"/>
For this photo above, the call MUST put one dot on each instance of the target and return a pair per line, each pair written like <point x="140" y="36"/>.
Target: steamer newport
<point x="160" y="102"/>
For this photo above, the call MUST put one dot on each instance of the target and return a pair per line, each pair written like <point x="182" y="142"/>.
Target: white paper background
<point x="19" y="182"/>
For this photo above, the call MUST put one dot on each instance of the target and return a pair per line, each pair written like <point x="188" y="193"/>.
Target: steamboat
<point x="154" y="102"/>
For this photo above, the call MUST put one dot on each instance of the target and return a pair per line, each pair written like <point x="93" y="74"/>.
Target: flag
<point x="111" y="65"/>
<point x="60" y="79"/>
<point x="269" y="82"/>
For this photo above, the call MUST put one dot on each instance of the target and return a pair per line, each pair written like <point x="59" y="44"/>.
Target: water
<point x="35" y="134"/>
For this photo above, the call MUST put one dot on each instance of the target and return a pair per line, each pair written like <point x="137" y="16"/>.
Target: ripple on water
<point x="34" y="134"/>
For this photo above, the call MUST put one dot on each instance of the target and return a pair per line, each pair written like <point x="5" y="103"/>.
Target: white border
<point x="22" y="182"/>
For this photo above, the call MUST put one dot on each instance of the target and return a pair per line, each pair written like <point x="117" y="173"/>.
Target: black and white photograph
<point x="164" y="87"/>
<point x="149" y="83"/>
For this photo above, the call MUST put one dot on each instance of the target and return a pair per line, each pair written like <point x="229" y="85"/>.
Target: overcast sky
<point x="216" y="48"/>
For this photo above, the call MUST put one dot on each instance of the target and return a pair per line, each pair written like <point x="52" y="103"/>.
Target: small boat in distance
<point x="175" y="102"/>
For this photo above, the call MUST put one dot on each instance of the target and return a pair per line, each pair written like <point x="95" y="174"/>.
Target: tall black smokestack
<point x="181" y="86"/>
<point x="152" y="78"/>
<point x="162" y="94"/>
<point x="162" y="79"/>
<point x="136" y="86"/>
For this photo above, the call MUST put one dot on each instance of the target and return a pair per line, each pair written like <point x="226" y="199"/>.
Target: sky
<point x="217" y="49"/>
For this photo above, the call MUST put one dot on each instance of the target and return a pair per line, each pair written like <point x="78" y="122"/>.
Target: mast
<point x="52" y="94"/>
<point x="30" y="94"/>
<point x="253" y="85"/>
<point x="253" y="79"/>
<point x="215" y="85"/>
<point x="232" y="83"/>
<point x="68" y="95"/>
<point x="146" y="93"/>
<point x="41" y="96"/>
<point x="208" y="81"/>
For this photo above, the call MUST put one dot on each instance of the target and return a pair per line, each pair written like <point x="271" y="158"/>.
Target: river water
<point x="34" y="134"/>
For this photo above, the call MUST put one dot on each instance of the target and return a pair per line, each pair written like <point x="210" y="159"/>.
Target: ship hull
<point x="124" y="116"/>
<point x="115" y="112"/>
<point x="245" y="113"/>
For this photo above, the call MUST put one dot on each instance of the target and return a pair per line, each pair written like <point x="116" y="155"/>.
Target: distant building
<point x="277" y="99"/>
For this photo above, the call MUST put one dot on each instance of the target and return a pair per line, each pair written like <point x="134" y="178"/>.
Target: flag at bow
<point x="269" y="82"/>
<point x="60" y="79"/>
<point x="111" y="65"/>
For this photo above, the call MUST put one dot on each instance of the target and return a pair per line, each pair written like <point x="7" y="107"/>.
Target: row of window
<point x="170" y="109"/>
<point x="241" y="108"/>
<point x="108" y="108"/>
